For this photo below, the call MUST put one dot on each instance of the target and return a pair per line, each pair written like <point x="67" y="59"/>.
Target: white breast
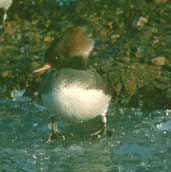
<point x="5" y="4"/>
<point x="74" y="102"/>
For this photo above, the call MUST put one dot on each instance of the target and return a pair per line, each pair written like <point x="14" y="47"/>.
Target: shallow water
<point x="140" y="141"/>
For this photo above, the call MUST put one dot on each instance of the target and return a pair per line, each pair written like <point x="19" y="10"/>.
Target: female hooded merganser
<point x="73" y="91"/>
<point x="5" y="4"/>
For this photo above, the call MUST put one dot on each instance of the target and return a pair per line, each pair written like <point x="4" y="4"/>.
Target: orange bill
<point x="43" y="68"/>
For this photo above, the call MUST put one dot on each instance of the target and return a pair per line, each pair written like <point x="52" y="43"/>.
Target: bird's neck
<point x="74" y="63"/>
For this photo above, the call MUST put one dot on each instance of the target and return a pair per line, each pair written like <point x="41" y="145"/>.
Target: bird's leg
<point x="102" y="129"/>
<point x="5" y="17"/>
<point x="54" y="130"/>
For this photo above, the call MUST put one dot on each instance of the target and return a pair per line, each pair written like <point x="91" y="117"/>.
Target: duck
<point x="5" y="5"/>
<point x="70" y="90"/>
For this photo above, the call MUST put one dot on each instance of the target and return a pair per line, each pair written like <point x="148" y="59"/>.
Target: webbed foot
<point x="54" y="130"/>
<point x="100" y="131"/>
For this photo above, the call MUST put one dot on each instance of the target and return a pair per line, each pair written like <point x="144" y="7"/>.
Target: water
<point x="140" y="141"/>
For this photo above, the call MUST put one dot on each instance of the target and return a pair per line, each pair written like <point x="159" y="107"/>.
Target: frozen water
<point x="140" y="141"/>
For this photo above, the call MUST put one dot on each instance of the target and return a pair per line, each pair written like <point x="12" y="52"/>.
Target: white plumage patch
<point x="88" y="50"/>
<point x="5" y="4"/>
<point x="73" y="102"/>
